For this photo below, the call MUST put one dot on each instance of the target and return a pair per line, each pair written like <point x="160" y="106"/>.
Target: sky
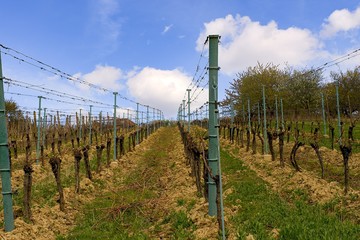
<point x="151" y="51"/>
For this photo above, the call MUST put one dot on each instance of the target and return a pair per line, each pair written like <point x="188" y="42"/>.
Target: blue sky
<point x="148" y="51"/>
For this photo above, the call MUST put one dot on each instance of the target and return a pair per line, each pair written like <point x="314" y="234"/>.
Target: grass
<point x="261" y="210"/>
<point x="131" y="211"/>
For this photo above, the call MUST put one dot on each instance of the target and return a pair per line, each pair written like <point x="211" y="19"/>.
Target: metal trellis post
<point x="5" y="162"/>
<point x="213" y="122"/>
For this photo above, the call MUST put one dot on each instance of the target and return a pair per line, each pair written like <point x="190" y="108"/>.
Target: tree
<point x="13" y="111"/>
<point x="349" y="91"/>
<point x="249" y="84"/>
<point x="303" y="90"/>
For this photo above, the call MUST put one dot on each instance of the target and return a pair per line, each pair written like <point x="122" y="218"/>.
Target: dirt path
<point x="175" y="192"/>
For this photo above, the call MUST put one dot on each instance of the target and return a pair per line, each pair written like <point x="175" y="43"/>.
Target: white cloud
<point x="167" y="28"/>
<point x="245" y="42"/>
<point x="103" y="76"/>
<point x="163" y="89"/>
<point x="341" y="21"/>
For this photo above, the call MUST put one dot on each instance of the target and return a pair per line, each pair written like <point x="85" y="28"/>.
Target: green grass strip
<point x="260" y="210"/>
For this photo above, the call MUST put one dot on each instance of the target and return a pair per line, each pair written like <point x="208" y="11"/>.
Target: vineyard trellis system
<point x="52" y="135"/>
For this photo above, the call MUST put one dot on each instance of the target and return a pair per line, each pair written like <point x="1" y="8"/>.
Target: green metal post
<point x="265" y="131"/>
<point x="213" y="122"/>
<point x="5" y="162"/>
<point x="188" y="90"/>
<point x="323" y="112"/>
<point x="90" y="126"/>
<point x="214" y="147"/>
<point x="114" y="122"/>
<point x="38" y="132"/>
<point x="338" y="110"/>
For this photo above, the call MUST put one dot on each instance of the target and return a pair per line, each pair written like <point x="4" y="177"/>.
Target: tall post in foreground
<point x="38" y="132"/>
<point x="323" y="112"/>
<point x="114" y="143"/>
<point x="213" y="122"/>
<point x="188" y="90"/>
<point x="5" y="162"/>
<point x="265" y="131"/>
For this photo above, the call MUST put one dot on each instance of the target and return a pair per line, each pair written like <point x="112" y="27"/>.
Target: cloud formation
<point x="341" y="21"/>
<point x="162" y="89"/>
<point x="245" y="42"/>
<point x="104" y="76"/>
